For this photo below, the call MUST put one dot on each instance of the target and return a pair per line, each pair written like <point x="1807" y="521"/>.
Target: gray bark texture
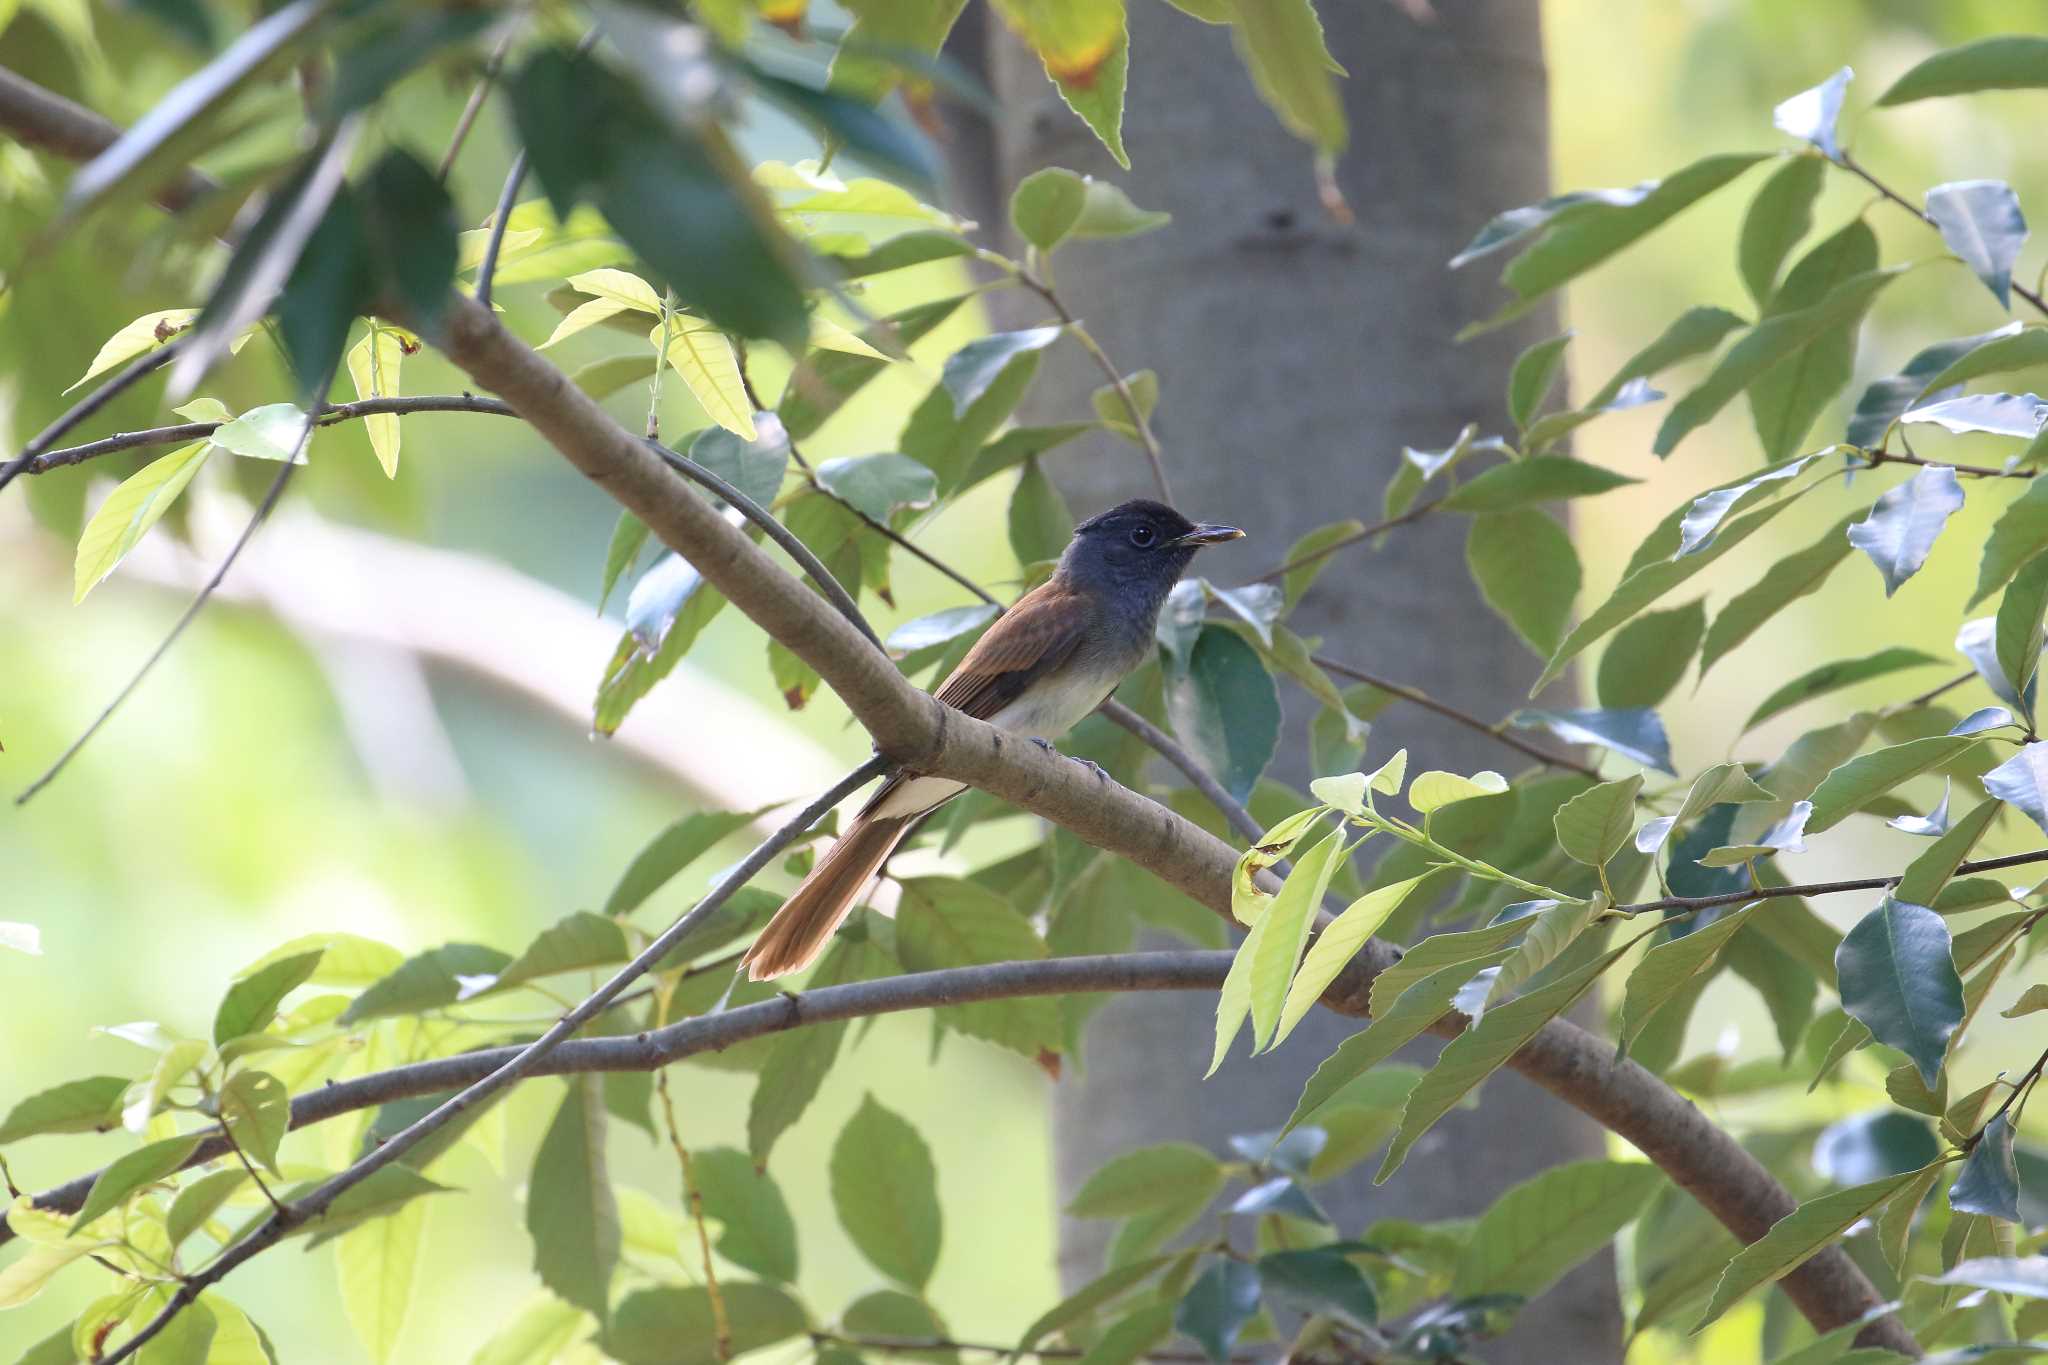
<point x="1296" y="356"/>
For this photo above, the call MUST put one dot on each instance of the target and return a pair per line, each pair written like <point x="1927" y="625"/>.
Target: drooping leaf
<point x="129" y="511"/>
<point x="1284" y="930"/>
<point x="2019" y="630"/>
<point x="1040" y="524"/>
<point x="1818" y="682"/>
<point x="1667" y="968"/>
<point x="2023" y="1276"/>
<point x="2022" y="781"/>
<point x="257" y="1112"/>
<point x="1649" y="656"/>
<point x="946" y="923"/>
<point x="1541" y="1228"/>
<point x="1989" y="1181"/>
<point x="1524" y="565"/>
<point x="1778" y="217"/>
<point x="1282" y="47"/>
<point x="1980" y="220"/>
<point x="755" y="1229"/>
<point x="1977" y="641"/>
<point x="377" y="1263"/>
<point x="1791" y="578"/>
<point x="1897" y="978"/>
<point x="796" y="1066"/>
<point x="1811" y="114"/>
<point x="1224" y="706"/>
<point x="1217" y="1306"/>
<point x="1795" y="1237"/>
<point x="570" y="1207"/>
<point x="884" y="1189"/>
<point x="1635" y="732"/>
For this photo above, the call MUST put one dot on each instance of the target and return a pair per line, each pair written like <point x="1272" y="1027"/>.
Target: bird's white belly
<point x="1056" y="705"/>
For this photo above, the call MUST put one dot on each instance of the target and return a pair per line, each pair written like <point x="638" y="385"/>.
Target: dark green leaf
<point x="1524" y="482"/>
<point x="1635" y="733"/>
<point x="673" y="1326"/>
<point x="879" y="484"/>
<point x="949" y="444"/>
<point x="1856" y="783"/>
<point x="1667" y="968"/>
<point x="1769" y="343"/>
<point x="1144" y="1179"/>
<point x="1105" y="1288"/>
<point x="674" y="849"/>
<point x="1818" y="682"/>
<point x="1871" y="1146"/>
<point x="629" y="535"/>
<point x="756" y="1231"/>
<point x="1533" y="377"/>
<point x="892" y="1313"/>
<point x="886" y="143"/>
<point x="1989" y="1182"/>
<point x="332" y="280"/>
<point x="1017" y="445"/>
<point x="754" y="467"/>
<point x="252" y="1002"/>
<point x="1649" y="656"/>
<point x="1217" y="1306"/>
<point x="918" y="247"/>
<point x="198" y="1201"/>
<point x="427" y="981"/>
<point x="1319" y="1280"/>
<point x="1526" y="569"/>
<point x="1897" y="978"/>
<point x="92" y="1105"/>
<point x="1795" y="1237"/>
<point x="1778" y="217"/>
<point x="1224" y="707"/>
<point x="575" y="942"/>
<point x="2020" y="533"/>
<point x="1691" y="333"/>
<point x="884" y="1189"/>
<point x="1546" y="1225"/>
<point x="1980" y="220"/>
<point x="2009" y="62"/>
<point x="1887" y="399"/>
<point x="1040" y="525"/>
<point x="2018" y="632"/>
<point x="970" y="371"/>
<point x="1786" y="398"/>
<point x="409" y="222"/>
<point x="796" y="1065"/>
<point x="383" y="1191"/>
<point x="570" y="1208"/>
<point x="1927" y="874"/>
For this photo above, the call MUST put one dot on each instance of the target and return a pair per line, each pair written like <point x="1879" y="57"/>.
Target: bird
<point x="1045" y="664"/>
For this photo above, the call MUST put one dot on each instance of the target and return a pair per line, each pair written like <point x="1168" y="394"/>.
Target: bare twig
<point x="1414" y="513"/>
<point x="2020" y="1088"/>
<point x="145" y="364"/>
<point x="721" y="1325"/>
<point x="41" y="118"/>
<point x="1877" y="457"/>
<point x="1857" y="169"/>
<point x="478" y="93"/>
<point x="1170" y="749"/>
<point x="523" y="1063"/>
<point x="1758" y="893"/>
<point x="1449" y="712"/>
<point x="488" y="267"/>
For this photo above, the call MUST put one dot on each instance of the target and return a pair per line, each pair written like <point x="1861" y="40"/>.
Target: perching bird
<point x="1046" y="664"/>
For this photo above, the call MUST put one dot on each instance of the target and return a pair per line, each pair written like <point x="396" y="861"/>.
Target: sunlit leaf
<point x="1980" y="220"/>
<point x="130" y="510"/>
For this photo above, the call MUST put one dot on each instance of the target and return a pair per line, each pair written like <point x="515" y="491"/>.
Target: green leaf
<point x="1770" y="342"/>
<point x="1281" y="43"/>
<point x="575" y="942"/>
<point x="879" y="484"/>
<point x="1902" y="526"/>
<point x="2024" y="1277"/>
<point x="1980" y="221"/>
<point x="377" y="1195"/>
<point x="1478" y="1052"/>
<point x="1109" y="212"/>
<point x="2020" y="533"/>
<point x="377" y="1264"/>
<point x="1530" y="382"/>
<point x="1897" y="978"/>
<point x="1046" y="205"/>
<point x="674" y="849"/>
<point x="884" y="1189"/>
<point x="130" y="1171"/>
<point x="1336" y="945"/>
<point x="1525" y="567"/>
<point x="1319" y="1280"/>
<point x="1546" y="1225"/>
<point x="1580" y="231"/>
<point x="1014" y="447"/>
<point x="945" y="922"/>
<point x="1105" y="1288"/>
<point x="570" y="1207"/>
<point x="970" y="371"/>
<point x="1594" y="825"/>
<point x="1778" y="217"/>
<point x="129" y="511"/>
<point x="755" y="1229"/>
<point x="1667" y="968"/>
<point x="1284" y="931"/>
<point x="1795" y="1237"/>
<point x="1144" y="1179"/>
<point x="410" y="222"/>
<point x="1649" y="656"/>
<point x="825" y="380"/>
<point x="1855" y="784"/>
<point x="1886" y="400"/>
<point x="674" y="1326"/>
<point x="1298" y="581"/>
<point x="146" y="333"/>
<point x="2019" y="632"/>
<point x="258" y="1113"/>
<point x="251" y="1003"/>
<point x="1040" y="524"/>
<point x="1650" y="580"/>
<point x="1217" y="1306"/>
<point x="1927" y="874"/>
<point x="2009" y="62"/>
<point x="1522" y="483"/>
<point x="428" y="981"/>
<point x="1224" y="707"/>
<point x="797" y="1063"/>
<point x="1691" y="333"/>
<point x="1989" y="1182"/>
<point x="1785" y="399"/>
<point x="1818" y="682"/>
<point x="92" y="1105"/>
<point x="2032" y="1000"/>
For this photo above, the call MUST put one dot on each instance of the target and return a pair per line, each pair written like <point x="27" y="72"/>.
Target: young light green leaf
<point x="1046" y="205"/>
<point x="251" y="1003"/>
<point x="1903" y="524"/>
<point x="378" y="1265"/>
<point x="1594" y="825"/>
<point x="703" y="358"/>
<point x="1285" y="928"/>
<point x="1981" y="222"/>
<point x="91" y="1105"/>
<point x="1856" y="783"/>
<point x="1281" y="42"/>
<point x="576" y="942"/>
<point x="1524" y="565"/>
<point x="129" y="511"/>
<point x="146" y="333"/>
<point x="2032" y="1000"/>
<point x="1546" y="1225"/>
<point x="884" y="1189"/>
<point x="1897" y="977"/>
<point x="1432" y="791"/>
<point x="129" y="1172"/>
<point x="258" y="1113"/>
<point x="373" y="367"/>
<point x="1797" y="1236"/>
<point x="275" y="431"/>
<point x="1336" y="946"/>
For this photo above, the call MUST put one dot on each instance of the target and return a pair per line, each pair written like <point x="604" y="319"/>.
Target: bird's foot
<point x="1090" y="764"/>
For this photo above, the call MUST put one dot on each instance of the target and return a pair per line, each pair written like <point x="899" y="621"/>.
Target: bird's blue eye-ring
<point x="1141" y="536"/>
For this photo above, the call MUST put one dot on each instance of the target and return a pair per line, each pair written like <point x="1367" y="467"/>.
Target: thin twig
<point x="1856" y="168"/>
<point x="721" y="1325"/>
<point x="1169" y="749"/>
<point x="1931" y="693"/>
<point x="1758" y="893"/>
<point x="1877" y="457"/>
<point x="522" y="1064"/>
<point x="227" y="1134"/>
<point x="2020" y="1087"/>
<point x="329" y="416"/>
<point x="85" y="407"/>
<point x="906" y="1345"/>
<point x="1415" y="513"/>
<point x="1449" y="712"/>
<point x="488" y="267"/>
<point x="480" y="92"/>
<point x="256" y="519"/>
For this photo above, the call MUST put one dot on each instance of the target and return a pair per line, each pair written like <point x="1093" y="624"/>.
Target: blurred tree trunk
<point x="1297" y="355"/>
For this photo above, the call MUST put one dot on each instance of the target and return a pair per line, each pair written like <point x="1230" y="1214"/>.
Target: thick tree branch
<point x="48" y="121"/>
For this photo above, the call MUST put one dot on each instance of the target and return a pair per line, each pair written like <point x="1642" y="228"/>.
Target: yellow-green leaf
<point x="146" y="333"/>
<point x="622" y="287"/>
<point x="373" y="365"/>
<point x="378" y="1263"/>
<point x="1336" y="946"/>
<point x="1284" y="929"/>
<point x="703" y="359"/>
<point x="129" y="511"/>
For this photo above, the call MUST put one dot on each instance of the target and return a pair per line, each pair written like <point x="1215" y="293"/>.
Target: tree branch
<point x="85" y="407"/>
<point x="1758" y="893"/>
<point x="47" y="120"/>
<point x="1449" y="712"/>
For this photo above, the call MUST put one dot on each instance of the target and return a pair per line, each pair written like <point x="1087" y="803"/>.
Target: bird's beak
<point x="1210" y="535"/>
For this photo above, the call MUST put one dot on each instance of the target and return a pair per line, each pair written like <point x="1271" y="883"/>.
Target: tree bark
<point x="1296" y="356"/>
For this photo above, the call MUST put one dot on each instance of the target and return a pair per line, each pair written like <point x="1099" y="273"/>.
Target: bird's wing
<point x="1030" y="640"/>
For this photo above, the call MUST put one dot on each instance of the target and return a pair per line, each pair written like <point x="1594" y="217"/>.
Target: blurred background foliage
<point x="230" y="808"/>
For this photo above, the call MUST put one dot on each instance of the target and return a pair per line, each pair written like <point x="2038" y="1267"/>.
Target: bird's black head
<point x="1140" y="546"/>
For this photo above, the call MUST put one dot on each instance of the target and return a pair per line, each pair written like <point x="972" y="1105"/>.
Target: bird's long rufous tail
<point x="800" y="930"/>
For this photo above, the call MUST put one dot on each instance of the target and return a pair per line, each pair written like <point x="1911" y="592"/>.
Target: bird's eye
<point x="1141" y="536"/>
